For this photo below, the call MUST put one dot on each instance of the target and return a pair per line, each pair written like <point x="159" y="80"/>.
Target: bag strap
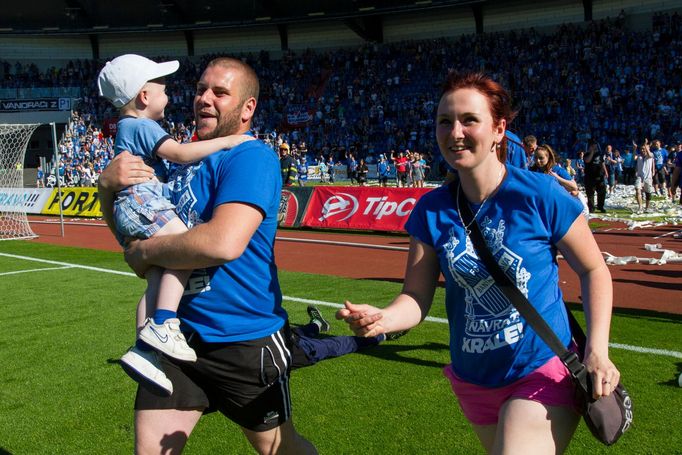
<point x="516" y="297"/>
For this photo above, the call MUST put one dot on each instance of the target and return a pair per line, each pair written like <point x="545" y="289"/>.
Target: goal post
<point x="13" y="143"/>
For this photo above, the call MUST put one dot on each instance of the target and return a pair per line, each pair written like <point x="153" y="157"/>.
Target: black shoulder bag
<point x="608" y="417"/>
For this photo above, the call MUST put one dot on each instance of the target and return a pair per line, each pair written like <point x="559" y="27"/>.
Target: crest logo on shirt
<point x="492" y="322"/>
<point x="180" y="185"/>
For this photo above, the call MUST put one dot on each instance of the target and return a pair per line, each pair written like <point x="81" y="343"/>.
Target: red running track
<point x="637" y="286"/>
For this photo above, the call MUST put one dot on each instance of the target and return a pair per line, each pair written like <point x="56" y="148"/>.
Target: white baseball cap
<point x="122" y="78"/>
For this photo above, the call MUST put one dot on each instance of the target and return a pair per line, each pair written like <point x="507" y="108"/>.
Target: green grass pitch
<point x="61" y="391"/>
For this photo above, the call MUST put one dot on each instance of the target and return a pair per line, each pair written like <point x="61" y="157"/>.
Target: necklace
<point x="467" y="231"/>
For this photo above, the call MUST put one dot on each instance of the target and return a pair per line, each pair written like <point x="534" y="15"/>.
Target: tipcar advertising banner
<point x="367" y="208"/>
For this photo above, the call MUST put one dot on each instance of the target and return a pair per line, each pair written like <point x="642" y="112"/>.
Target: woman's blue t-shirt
<point x="490" y="343"/>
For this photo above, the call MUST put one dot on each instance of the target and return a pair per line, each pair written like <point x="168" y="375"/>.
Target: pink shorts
<point x="551" y="385"/>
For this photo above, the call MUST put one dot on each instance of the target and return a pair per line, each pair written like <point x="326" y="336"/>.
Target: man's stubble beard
<point x="227" y="125"/>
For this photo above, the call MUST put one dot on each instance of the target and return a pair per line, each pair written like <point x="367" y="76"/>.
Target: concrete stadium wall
<point x="47" y="51"/>
<point x="433" y="24"/>
<point x="45" y="48"/>
<point x="235" y="41"/>
<point x="522" y="14"/>
<point x="322" y="35"/>
<point x="147" y="44"/>
<point x="602" y="9"/>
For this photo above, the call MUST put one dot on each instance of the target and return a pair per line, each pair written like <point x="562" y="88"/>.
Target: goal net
<point x="13" y="142"/>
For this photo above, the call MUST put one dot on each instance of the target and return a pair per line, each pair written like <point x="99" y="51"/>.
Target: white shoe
<point x="145" y="368"/>
<point x="167" y="338"/>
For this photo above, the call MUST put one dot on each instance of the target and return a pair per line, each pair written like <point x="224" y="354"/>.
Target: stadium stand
<point x="597" y="80"/>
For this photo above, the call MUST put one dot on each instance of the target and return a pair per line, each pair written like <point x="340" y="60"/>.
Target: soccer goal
<point x="13" y="141"/>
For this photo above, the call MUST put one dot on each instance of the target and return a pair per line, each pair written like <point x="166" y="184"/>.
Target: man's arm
<point x="222" y="239"/>
<point x="124" y="170"/>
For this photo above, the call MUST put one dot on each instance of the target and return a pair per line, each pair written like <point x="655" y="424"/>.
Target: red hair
<point x="499" y="99"/>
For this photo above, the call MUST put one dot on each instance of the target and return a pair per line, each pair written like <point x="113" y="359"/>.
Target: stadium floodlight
<point x="13" y="142"/>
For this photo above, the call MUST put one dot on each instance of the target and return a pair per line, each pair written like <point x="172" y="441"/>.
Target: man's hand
<point x="124" y="170"/>
<point x="134" y="256"/>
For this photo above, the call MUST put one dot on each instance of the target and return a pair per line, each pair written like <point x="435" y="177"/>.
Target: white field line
<point x="36" y="270"/>
<point x="627" y="347"/>
<point x="667" y="234"/>
<point x="339" y="243"/>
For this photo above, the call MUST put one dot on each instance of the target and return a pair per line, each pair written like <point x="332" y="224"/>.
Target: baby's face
<point x="156" y="98"/>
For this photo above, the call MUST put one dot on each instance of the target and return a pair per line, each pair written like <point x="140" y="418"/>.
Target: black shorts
<point x="659" y="177"/>
<point x="247" y="381"/>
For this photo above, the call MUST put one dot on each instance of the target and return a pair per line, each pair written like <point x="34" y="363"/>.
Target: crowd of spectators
<point x="598" y="81"/>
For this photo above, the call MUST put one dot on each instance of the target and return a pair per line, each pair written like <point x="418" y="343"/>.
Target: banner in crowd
<point x="292" y="205"/>
<point x="23" y="199"/>
<point x="74" y="202"/>
<point x="341" y="172"/>
<point x="368" y="208"/>
<point x="37" y="104"/>
<point x="297" y="115"/>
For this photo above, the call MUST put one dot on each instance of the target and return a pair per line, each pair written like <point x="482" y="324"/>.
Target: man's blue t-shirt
<point x="142" y="137"/>
<point x="240" y="300"/>
<point x="490" y="343"/>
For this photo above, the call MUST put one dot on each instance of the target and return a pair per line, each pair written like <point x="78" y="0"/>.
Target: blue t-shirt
<point x="240" y="300"/>
<point x="516" y="154"/>
<point x="142" y="137"/>
<point x="490" y="343"/>
<point x="561" y="172"/>
<point x="628" y="160"/>
<point x="660" y="157"/>
<point x="383" y="168"/>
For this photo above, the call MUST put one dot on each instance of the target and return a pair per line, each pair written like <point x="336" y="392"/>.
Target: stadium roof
<point x="94" y="16"/>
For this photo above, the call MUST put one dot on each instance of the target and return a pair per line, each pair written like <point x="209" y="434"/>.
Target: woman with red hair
<point x="513" y="389"/>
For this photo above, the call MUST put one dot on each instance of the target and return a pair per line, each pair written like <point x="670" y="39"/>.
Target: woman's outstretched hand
<point x="363" y="320"/>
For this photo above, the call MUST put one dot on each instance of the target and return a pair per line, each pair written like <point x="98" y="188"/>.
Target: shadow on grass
<point x="394" y="352"/>
<point x="635" y="313"/>
<point x="5" y="452"/>
<point x="674" y="382"/>
<point x="441" y="282"/>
